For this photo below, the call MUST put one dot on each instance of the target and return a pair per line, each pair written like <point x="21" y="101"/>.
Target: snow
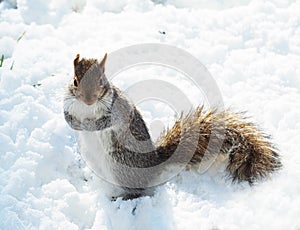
<point x="251" y="48"/>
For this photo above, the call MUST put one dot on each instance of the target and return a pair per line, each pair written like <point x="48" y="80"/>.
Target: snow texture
<point x="251" y="48"/>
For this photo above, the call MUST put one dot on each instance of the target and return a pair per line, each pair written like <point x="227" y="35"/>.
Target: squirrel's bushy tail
<point x="251" y="156"/>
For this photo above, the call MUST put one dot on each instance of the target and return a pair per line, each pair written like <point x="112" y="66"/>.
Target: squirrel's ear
<point x="102" y="63"/>
<point x="76" y="59"/>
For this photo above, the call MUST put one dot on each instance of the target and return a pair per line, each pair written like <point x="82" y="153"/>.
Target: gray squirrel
<point x="114" y="138"/>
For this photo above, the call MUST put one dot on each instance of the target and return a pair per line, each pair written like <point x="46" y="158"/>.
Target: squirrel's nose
<point x="88" y="102"/>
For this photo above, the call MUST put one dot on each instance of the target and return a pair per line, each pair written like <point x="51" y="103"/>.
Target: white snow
<point x="251" y="48"/>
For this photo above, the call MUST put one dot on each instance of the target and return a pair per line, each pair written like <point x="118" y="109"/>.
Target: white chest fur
<point x="94" y="146"/>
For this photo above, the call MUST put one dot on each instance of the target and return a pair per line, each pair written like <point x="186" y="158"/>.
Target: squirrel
<point x="112" y="132"/>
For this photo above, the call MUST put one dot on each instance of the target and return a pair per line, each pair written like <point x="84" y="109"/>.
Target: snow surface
<point x="252" y="48"/>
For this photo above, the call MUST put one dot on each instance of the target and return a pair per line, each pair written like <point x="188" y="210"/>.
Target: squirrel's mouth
<point x="89" y="102"/>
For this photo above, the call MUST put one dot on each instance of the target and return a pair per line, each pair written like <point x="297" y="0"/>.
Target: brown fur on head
<point x="90" y="83"/>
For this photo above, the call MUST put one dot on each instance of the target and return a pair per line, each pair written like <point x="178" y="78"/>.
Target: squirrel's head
<point x="90" y="83"/>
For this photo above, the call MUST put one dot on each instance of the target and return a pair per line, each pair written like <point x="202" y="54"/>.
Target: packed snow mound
<point x="250" y="47"/>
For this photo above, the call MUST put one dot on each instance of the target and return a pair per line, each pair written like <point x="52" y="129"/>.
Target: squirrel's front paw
<point x="89" y="124"/>
<point x="73" y="122"/>
<point x="76" y="125"/>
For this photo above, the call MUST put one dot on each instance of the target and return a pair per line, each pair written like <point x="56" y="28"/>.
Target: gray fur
<point x="118" y="139"/>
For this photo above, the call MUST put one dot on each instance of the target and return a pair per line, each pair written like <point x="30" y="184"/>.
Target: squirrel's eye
<point x="75" y="83"/>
